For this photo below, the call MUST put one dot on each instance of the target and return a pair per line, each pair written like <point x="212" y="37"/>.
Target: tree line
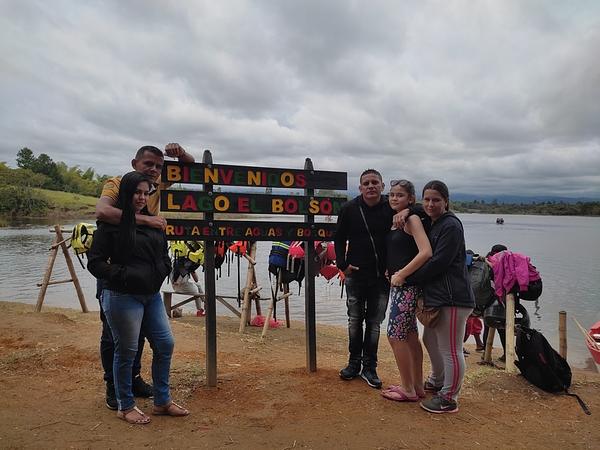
<point x="17" y="196"/>
<point x="549" y="208"/>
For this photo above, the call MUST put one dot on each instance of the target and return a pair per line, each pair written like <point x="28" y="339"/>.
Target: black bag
<point x="541" y="365"/>
<point x="494" y="316"/>
<point x="533" y="292"/>
<point x="479" y="274"/>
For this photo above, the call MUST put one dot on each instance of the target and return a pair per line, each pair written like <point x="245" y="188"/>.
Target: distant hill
<point x="504" y="198"/>
<point x="517" y="199"/>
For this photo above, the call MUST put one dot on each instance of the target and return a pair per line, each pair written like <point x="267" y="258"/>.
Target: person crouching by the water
<point x="133" y="260"/>
<point x="446" y="286"/>
<point x="408" y="249"/>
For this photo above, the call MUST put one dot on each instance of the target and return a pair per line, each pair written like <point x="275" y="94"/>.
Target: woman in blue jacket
<point x="445" y="286"/>
<point x="133" y="262"/>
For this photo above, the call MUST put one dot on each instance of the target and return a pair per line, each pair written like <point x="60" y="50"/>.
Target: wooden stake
<point x="246" y="305"/>
<point x="489" y="344"/>
<point x="46" y="279"/>
<point x="562" y="333"/>
<point x="268" y="318"/>
<point x="65" y="250"/>
<point x="286" y="290"/>
<point x="510" y="333"/>
<point x="256" y="297"/>
<point x="270" y="313"/>
<point x="59" y="242"/>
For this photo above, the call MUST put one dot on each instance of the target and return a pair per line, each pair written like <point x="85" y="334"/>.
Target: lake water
<point x="565" y="250"/>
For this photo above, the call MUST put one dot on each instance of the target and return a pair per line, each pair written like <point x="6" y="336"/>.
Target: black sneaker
<point x="141" y="389"/>
<point x="351" y="371"/>
<point x="430" y="387"/>
<point x="502" y="359"/>
<point x="439" y="405"/>
<point x="111" y="396"/>
<point x="369" y="374"/>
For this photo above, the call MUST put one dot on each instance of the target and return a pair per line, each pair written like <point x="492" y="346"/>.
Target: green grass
<point x="68" y="202"/>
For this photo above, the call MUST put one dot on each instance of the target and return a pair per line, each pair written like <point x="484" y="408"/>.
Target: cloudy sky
<point x="490" y="96"/>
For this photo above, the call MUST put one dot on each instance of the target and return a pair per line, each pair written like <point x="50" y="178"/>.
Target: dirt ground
<point x="51" y="381"/>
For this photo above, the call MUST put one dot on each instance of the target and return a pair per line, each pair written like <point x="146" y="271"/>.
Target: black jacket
<point x="351" y="229"/>
<point x="142" y="273"/>
<point x="444" y="277"/>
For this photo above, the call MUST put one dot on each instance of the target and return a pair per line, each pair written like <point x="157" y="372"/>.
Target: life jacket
<point x="295" y="261"/>
<point x="278" y="255"/>
<point x="239" y="247"/>
<point x="81" y="239"/>
<point x="285" y="267"/>
<point x="325" y="252"/>
<point x="192" y="250"/>
<point x="221" y="254"/>
<point x="187" y="257"/>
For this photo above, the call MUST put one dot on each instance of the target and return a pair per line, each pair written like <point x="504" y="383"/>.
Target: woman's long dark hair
<point x="128" y="186"/>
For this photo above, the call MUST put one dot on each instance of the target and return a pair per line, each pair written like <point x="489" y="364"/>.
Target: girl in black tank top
<point x="407" y="250"/>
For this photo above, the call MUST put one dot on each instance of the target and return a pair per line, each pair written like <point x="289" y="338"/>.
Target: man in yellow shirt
<point x="148" y="160"/>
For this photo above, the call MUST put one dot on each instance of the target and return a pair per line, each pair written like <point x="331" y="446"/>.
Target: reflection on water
<point x="564" y="249"/>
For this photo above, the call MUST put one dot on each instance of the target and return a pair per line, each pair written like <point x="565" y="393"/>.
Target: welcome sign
<point x="210" y="202"/>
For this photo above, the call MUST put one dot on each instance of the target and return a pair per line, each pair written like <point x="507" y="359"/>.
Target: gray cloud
<point x="492" y="97"/>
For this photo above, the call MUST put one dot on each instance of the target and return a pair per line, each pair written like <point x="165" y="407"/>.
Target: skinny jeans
<point x="444" y="343"/>
<point x="107" y="346"/>
<point x="127" y="314"/>
<point x="366" y="302"/>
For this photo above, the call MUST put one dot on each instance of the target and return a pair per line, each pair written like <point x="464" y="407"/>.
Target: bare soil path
<point x="50" y="378"/>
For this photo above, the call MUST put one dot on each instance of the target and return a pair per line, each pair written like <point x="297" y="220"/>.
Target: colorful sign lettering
<point x="198" y="230"/>
<point x="220" y="174"/>
<point x="242" y="203"/>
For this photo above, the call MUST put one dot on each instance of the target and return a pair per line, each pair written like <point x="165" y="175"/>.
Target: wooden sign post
<point x="208" y="229"/>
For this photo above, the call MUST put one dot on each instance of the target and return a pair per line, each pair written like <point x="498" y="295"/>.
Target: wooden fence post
<point x="562" y="333"/>
<point x="510" y="333"/>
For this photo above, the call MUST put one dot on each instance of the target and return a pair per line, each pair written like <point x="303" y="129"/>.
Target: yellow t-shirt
<point x="111" y="190"/>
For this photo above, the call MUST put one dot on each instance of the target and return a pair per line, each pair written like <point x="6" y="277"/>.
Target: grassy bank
<point x="60" y="205"/>
<point x="68" y="203"/>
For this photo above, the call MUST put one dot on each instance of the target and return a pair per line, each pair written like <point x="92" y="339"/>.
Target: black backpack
<point x="541" y="365"/>
<point x="481" y="284"/>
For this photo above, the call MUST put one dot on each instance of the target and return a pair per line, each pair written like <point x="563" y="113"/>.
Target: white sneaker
<point x="185" y="286"/>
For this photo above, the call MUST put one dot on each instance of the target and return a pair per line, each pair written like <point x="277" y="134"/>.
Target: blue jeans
<point x="107" y="346"/>
<point x="126" y="315"/>
<point x="367" y="302"/>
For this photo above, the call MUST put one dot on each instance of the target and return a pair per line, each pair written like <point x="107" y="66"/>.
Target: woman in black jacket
<point x="132" y="261"/>
<point x="446" y="286"/>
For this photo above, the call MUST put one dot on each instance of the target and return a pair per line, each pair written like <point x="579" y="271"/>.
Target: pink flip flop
<point x="396" y="394"/>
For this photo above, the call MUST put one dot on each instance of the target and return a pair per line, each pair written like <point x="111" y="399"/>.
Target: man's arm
<point x="175" y="150"/>
<point x="106" y="212"/>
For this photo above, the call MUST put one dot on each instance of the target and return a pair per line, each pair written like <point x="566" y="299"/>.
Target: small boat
<point x="595" y="335"/>
<point x="500" y="221"/>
